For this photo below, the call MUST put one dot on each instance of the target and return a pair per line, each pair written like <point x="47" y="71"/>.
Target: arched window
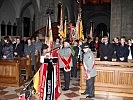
<point x="14" y="32"/>
<point x="3" y="28"/>
<point x="9" y="28"/>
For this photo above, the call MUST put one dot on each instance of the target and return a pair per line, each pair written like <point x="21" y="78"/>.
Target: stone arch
<point x="8" y="11"/>
<point x="3" y="22"/>
<point x="9" y="23"/>
<point x="1" y="2"/>
<point x="93" y="15"/>
<point x="25" y="7"/>
<point x="68" y="5"/>
<point x="97" y="18"/>
<point x="101" y="30"/>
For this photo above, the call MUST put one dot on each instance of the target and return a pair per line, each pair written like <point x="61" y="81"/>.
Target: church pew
<point x="10" y="71"/>
<point x="111" y="77"/>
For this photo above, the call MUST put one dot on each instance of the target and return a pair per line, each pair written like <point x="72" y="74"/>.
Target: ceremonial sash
<point x="66" y="63"/>
<point x="86" y="71"/>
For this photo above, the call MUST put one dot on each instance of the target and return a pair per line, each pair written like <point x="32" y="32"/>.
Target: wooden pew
<point x="37" y="62"/>
<point x="111" y="77"/>
<point x="10" y="71"/>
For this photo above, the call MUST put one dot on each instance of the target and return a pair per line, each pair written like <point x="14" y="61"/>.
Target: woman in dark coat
<point x="122" y="51"/>
<point x="7" y="49"/>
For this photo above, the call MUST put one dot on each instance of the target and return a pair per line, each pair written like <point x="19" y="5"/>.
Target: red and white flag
<point x="42" y="80"/>
<point x="50" y="35"/>
<point x="91" y="32"/>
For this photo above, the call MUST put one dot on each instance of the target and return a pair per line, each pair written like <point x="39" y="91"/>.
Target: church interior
<point x="100" y="18"/>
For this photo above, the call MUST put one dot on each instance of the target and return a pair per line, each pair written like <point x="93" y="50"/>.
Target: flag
<point x="46" y="35"/>
<point x="70" y="31"/>
<point x="42" y="81"/>
<point x="81" y="36"/>
<point x="57" y="81"/>
<point x="61" y="32"/>
<point x="49" y="87"/>
<point x="65" y="30"/>
<point x="36" y="81"/>
<point x="91" y="32"/>
<point x="22" y="97"/>
<point x="77" y="28"/>
<point x="50" y="36"/>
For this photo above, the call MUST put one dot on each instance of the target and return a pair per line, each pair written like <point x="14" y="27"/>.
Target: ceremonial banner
<point x="91" y="32"/>
<point x="77" y="27"/>
<point x="49" y="94"/>
<point x="36" y="81"/>
<point x="61" y="32"/>
<point x="50" y="38"/>
<point x="22" y="97"/>
<point x="42" y="80"/>
<point x="49" y="81"/>
<point x="81" y="36"/>
<point x="57" y="84"/>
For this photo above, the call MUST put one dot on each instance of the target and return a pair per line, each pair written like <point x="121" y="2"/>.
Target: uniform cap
<point x="85" y="46"/>
<point x="44" y="46"/>
<point x="67" y="40"/>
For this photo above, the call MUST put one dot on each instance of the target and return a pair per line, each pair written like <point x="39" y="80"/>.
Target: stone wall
<point x="121" y="18"/>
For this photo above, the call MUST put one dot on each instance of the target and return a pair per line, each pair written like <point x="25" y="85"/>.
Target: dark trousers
<point x="66" y="79"/>
<point x="74" y="68"/>
<point x="90" y="89"/>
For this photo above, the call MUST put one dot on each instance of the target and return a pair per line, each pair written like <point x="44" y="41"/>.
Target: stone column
<point x="115" y="24"/>
<point x="121" y="18"/>
<point x="55" y="10"/>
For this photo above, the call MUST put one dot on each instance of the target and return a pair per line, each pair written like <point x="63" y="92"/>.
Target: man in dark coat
<point x="106" y="50"/>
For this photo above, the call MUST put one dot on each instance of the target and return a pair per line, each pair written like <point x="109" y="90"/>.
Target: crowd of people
<point x="70" y="53"/>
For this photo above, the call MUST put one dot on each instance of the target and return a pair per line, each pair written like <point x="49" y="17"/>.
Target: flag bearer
<point x="65" y="62"/>
<point x="89" y="71"/>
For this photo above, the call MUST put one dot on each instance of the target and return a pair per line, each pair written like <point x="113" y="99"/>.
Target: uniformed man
<point x="65" y="62"/>
<point x="89" y="71"/>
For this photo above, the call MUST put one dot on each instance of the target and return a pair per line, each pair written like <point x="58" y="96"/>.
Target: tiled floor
<point x="12" y="93"/>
